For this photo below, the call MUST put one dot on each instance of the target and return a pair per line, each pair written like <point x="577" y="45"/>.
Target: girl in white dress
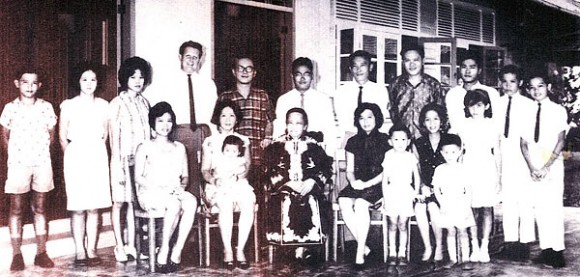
<point x="83" y="132"/>
<point x="482" y="158"/>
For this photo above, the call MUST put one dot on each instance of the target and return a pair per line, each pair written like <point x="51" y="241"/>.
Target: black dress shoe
<point x="161" y="268"/>
<point x="81" y="262"/>
<point x="229" y="265"/>
<point x="558" y="260"/>
<point x="43" y="260"/>
<point x="172" y="267"/>
<point x="545" y="257"/>
<point x="359" y="267"/>
<point x="17" y="263"/>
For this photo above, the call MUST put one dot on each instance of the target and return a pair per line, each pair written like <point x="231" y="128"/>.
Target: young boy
<point x="518" y="218"/>
<point x="541" y="144"/>
<point x="452" y="189"/>
<point x="28" y="130"/>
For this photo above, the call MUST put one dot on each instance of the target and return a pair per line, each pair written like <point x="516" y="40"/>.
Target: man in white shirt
<point x="470" y="70"/>
<point x="317" y="105"/>
<point x="360" y="89"/>
<point x="192" y="98"/>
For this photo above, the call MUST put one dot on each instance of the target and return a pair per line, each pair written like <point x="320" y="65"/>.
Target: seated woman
<point x="365" y="152"/>
<point x="298" y="170"/>
<point x="224" y="165"/>
<point x="161" y="177"/>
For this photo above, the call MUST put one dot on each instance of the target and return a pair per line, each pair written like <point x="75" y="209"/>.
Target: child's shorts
<point x="20" y="179"/>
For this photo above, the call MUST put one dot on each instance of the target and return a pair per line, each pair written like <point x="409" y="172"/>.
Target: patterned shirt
<point x="408" y="100"/>
<point x="29" y="126"/>
<point x="257" y="112"/>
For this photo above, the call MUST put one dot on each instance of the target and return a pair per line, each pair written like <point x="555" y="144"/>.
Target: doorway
<point x="263" y="35"/>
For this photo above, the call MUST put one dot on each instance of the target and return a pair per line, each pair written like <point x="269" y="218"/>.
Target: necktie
<point x="360" y="95"/>
<point x="506" y="130"/>
<point x="302" y="100"/>
<point x="537" y="130"/>
<point x="192" y="121"/>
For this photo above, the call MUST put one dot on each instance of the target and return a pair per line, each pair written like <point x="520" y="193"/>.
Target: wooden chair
<point x="338" y="222"/>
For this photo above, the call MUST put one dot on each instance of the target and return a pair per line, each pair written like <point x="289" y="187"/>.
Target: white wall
<point x="162" y="26"/>
<point x="314" y="38"/>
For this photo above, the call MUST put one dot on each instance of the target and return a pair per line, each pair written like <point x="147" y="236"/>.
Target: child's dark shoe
<point x="43" y="260"/>
<point x="17" y="263"/>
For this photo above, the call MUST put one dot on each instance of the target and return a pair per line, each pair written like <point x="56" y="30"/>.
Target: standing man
<point x="410" y="92"/>
<point x="257" y="114"/>
<point x="360" y="89"/>
<point x="192" y="97"/>
<point x="470" y="71"/>
<point x="317" y="105"/>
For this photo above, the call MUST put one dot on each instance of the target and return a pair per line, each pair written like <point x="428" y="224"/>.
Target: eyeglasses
<point x="247" y="69"/>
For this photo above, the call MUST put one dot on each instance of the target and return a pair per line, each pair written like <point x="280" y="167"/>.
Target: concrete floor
<point x="287" y="267"/>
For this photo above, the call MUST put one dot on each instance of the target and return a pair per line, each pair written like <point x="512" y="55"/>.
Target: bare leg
<point x="130" y="226"/>
<point x="363" y="220"/>
<point x="92" y="228"/>
<point x="452" y="245"/>
<point x="464" y="243"/>
<point x="15" y="221"/>
<point x="487" y="225"/>
<point x="188" y="207"/>
<point x="423" y="224"/>
<point x="392" y="237"/>
<point x="402" y="226"/>
<point x="38" y="209"/>
<point x="117" y="231"/>
<point x="474" y="237"/>
<point x="226" y="223"/>
<point x="437" y="231"/>
<point x="172" y="211"/>
<point x="244" y="226"/>
<point x="77" y="221"/>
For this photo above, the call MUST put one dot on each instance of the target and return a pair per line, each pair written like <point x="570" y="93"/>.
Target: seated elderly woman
<point x="224" y="165"/>
<point x="298" y="170"/>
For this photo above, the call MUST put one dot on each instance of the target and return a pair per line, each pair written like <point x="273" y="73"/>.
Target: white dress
<point x="479" y="137"/>
<point x="86" y="164"/>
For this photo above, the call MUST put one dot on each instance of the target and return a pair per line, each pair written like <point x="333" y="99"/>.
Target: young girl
<point x="161" y="175"/>
<point x="83" y="132"/>
<point x="365" y="153"/>
<point x="482" y="159"/>
<point x="400" y="188"/>
<point x="128" y="127"/>
<point x="451" y="187"/>
<point x="433" y="119"/>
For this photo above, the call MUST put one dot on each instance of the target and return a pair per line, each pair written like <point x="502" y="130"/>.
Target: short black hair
<point x="220" y="106"/>
<point x="300" y="111"/>
<point x="413" y="47"/>
<point x="513" y="69"/>
<point x="130" y="66"/>
<point x="450" y="139"/>
<point x="440" y="110"/>
<point x="192" y="44"/>
<point x="159" y="110"/>
<point x="475" y="96"/>
<point x="399" y="127"/>
<point x="374" y="108"/>
<point x="27" y="69"/>
<point x="234" y="140"/>
<point x="78" y="71"/>
<point x="359" y="53"/>
<point x="472" y="55"/>
<point x="302" y="61"/>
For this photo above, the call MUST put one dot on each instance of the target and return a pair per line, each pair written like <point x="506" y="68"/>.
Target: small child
<point x="542" y="142"/>
<point x="27" y="131"/>
<point x="451" y="187"/>
<point x="480" y="137"/>
<point x="400" y="187"/>
<point x="227" y="169"/>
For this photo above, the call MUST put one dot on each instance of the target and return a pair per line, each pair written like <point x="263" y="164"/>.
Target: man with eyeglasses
<point x="317" y="105"/>
<point x="192" y="97"/>
<point x="257" y="110"/>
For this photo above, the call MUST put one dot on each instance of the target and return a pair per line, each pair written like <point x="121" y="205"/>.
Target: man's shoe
<point x="17" y="263"/>
<point x="558" y="260"/>
<point x="545" y="257"/>
<point x="467" y="266"/>
<point x="43" y="261"/>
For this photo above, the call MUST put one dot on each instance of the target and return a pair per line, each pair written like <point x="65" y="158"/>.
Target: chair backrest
<point x="203" y="131"/>
<point x="339" y="179"/>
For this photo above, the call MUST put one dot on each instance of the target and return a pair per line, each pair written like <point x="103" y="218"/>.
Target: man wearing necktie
<point x="541" y="144"/>
<point x="192" y="97"/>
<point x="360" y="89"/>
<point x="518" y="219"/>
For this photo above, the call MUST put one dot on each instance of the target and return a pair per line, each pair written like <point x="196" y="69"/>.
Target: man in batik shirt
<point x="410" y="92"/>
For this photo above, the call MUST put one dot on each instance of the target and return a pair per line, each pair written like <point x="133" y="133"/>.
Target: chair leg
<point x="152" y="244"/>
<point x="408" y="254"/>
<point x="199" y="241"/>
<point x="207" y="239"/>
<point x="270" y="254"/>
<point x="335" y="236"/>
<point x="385" y="238"/>
<point x="256" y="243"/>
<point x="138" y="236"/>
<point x="326" y="249"/>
